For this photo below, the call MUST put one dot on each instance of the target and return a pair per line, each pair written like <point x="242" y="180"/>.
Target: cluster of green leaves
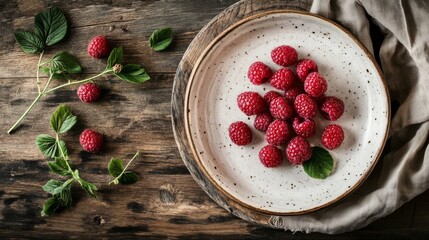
<point x="320" y="165"/>
<point x="62" y="65"/>
<point x="62" y="120"/>
<point x="50" y="27"/>
<point x="161" y="39"/>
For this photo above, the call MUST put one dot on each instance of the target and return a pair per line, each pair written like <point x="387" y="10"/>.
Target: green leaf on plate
<point x="320" y="164"/>
<point x="62" y="119"/>
<point x="29" y="42"/>
<point x="50" y="25"/>
<point x="161" y="39"/>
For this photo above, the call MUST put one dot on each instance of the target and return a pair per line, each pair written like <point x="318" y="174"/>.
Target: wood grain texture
<point x="166" y="202"/>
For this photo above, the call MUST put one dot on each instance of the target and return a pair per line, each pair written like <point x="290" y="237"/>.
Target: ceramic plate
<point x="221" y="75"/>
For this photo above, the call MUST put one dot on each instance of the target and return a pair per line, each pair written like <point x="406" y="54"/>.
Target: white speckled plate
<point x="221" y="74"/>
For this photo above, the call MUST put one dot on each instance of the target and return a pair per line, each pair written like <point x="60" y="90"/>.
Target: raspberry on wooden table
<point x="91" y="141"/>
<point x="98" y="47"/>
<point x="88" y="92"/>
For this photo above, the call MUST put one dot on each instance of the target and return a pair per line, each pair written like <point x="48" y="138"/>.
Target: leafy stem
<point x="119" y="177"/>
<point x="37" y="72"/>
<point x="80" y="81"/>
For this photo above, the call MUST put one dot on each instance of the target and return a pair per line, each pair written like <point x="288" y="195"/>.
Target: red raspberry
<point x="262" y="121"/>
<point x="278" y="132"/>
<point x="292" y="93"/>
<point x="284" y="55"/>
<point x="269" y="96"/>
<point x="305" y="106"/>
<point x="88" y="92"/>
<point x="259" y="73"/>
<point x="280" y="108"/>
<point x="270" y="156"/>
<point x="251" y="103"/>
<point x="305" y="67"/>
<point x="332" y="136"/>
<point x="304" y="127"/>
<point x="332" y="108"/>
<point x="91" y="141"/>
<point x="283" y="79"/>
<point x="98" y="47"/>
<point x="298" y="150"/>
<point x="315" y="84"/>
<point x="240" y="133"/>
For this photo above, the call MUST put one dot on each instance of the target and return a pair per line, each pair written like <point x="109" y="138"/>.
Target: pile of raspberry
<point x="287" y="115"/>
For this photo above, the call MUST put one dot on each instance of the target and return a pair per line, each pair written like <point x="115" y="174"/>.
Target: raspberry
<point x="259" y="73"/>
<point x="278" y="132"/>
<point x="315" y="84"/>
<point x="240" y="133"/>
<point x="304" y="127"/>
<point x="332" y="136"/>
<point x="283" y="79"/>
<point x="305" y="106"/>
<point x="280" y="108"/>
<point x="91" y="141"/>
<point x="88" y="92"/>
<point x="98" y="47"/>
<point x="292" y="93"/>
<point x="332" y="108"/>
<point x="284" y="55"/>
<point x="298" y="150"/>
<point x="269" y="96"/>
<point x="251" y="103"/>
<point x="270" y="156"/>
<point x="262" y="121"/>
<point x="305" y="67"/>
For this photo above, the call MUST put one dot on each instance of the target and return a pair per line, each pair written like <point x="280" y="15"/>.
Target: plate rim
<point x="186" y="112"/>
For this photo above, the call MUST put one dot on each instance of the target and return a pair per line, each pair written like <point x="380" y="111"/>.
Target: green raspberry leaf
<point x="50" y="25"/>
<point x="128" y="177"/>
<point x="133" y="73"/>
<point x="62" y="119"/>
<point x="47" y="145"/>
<point x="115" y="57"/>
<point x="320" y="164"/>
<point x="161" y="39"/>
<point x="115" y="167"/>
<point x="50" y="206"/>
<point x="53" y="186"/>
<point x="29" y="42"/>
<point x="59" y="166"/>
<point x="89" y="187"/>
<point x="64" y="64"/>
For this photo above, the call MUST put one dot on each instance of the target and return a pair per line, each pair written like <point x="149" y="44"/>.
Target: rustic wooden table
<point x="166" y="202"/>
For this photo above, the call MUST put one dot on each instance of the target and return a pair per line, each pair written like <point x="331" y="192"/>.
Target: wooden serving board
<point x="228" y="17"/>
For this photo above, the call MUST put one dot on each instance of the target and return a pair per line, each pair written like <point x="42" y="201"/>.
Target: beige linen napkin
<point x="403" y="170"/>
